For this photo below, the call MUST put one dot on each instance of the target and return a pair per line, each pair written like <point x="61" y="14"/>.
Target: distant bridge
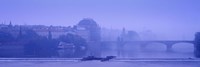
<point x="168" y="43"/>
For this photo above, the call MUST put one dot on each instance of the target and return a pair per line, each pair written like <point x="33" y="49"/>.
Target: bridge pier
<point x="169" y="47"/>
<point x="120" y="47"/>
<point x="197" y="45"/>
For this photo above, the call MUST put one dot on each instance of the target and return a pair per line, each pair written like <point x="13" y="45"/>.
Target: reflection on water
<point x="159" y="54"/>
<point x="152" y="51"/>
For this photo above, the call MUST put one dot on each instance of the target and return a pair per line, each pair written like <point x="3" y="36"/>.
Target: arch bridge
<point x="167" y="43"/>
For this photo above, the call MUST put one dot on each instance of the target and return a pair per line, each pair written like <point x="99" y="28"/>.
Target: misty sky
<point x="170" y="18"/>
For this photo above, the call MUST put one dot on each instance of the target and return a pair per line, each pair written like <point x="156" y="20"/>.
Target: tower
<point x="197" y="45"/>
<point x="49" y="33"/>
<point x="10" y="24"/>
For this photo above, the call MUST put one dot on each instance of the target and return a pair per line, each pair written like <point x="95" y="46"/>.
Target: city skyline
<point x="165" y="18"/>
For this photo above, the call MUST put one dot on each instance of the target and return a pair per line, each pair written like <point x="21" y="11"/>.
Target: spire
<point x="49" y="33"/>
<point x="10" y="24"/>
<point x="123" y="32"/>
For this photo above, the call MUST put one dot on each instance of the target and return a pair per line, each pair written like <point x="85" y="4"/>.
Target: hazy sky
<point x="164" y="17"/>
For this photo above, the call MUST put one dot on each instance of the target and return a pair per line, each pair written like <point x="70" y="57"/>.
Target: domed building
<point x="88" y="23"/>
<point x="89" y="29"/>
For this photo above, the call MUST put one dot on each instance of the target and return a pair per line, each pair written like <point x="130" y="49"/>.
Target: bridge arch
<point x="169" y="44"/>
<point x="157" y="46"/>
<point x="183" y="47"/>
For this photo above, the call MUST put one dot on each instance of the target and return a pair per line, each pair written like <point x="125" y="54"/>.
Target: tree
<point x="42" y="47"/>
<point x="78" y="42"/>
<point x="132" y="36"/>
<point x="28" y="35"/>
<point x="39" y="46"/>
<point x="6" y="37"/>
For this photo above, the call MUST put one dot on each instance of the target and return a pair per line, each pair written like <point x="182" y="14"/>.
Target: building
<point x="89" y="29"/>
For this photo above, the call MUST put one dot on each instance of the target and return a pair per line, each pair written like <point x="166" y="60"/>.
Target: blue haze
<point x="172" y="19"/>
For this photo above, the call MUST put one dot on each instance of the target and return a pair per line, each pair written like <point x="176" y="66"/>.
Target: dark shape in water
<point x="89" y="58"/>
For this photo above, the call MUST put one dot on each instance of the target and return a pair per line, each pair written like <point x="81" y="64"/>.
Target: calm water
<point x="181" y="50"/>
<point x="100" y="64"/>
<point x="155" y="52"/>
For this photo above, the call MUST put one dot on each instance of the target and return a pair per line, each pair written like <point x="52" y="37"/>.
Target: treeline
<point x="35" y="45"/>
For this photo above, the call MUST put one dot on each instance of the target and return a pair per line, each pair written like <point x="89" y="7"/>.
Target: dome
<point x="87" y="22"/>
